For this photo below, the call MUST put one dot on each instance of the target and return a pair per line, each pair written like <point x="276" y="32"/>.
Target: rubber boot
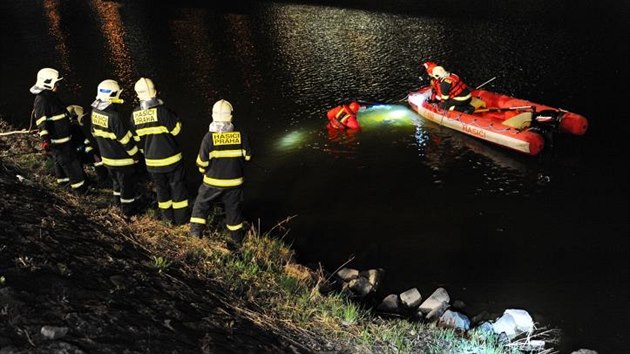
<point x="128" y="209"/>
<point x="181" y="216"/>
<point x="167" y="215"/>
<point x="235" y="240"/>
<point x="196" y="230"/>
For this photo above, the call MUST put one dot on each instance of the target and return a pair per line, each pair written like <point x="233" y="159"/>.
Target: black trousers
<point x="124" y="185"/>
<point x="68" y="168"/>
<point x="232" y="199"/>
<point x="460" y="106"/>
<point x="172" y="195"/>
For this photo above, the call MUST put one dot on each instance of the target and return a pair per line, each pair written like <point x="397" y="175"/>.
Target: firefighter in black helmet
<point x="221" y="159"/>
<point x="53" y="122"/>
<point x="155" y="128"/>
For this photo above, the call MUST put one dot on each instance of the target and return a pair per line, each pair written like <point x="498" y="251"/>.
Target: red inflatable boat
<point x="514" y="123"/>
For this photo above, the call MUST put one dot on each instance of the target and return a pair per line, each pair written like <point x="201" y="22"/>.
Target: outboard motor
<point x="546" y="123"/>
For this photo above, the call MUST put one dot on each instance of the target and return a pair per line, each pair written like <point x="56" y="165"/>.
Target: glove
<point x="46" y="146"/>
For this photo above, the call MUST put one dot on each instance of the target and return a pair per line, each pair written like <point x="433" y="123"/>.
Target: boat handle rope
<point x="474" y="122"/>
<point x="490" y="126"/>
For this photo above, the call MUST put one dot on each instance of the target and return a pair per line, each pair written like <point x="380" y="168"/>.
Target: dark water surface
<point x="433" y="207"/>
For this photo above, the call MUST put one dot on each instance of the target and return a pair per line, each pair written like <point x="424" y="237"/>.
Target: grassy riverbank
<point x="65" y="258"/>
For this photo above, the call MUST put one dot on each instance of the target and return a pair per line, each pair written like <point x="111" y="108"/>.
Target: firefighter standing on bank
<point x="118" y="149"/>
<point x="53" y="122"/>
<point x="155" y="128"/>
<point x="83" y="142"/>
<point x="221" y="159"/>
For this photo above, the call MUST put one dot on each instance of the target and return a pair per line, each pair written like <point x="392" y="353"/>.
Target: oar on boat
<point x="501" y="109"/>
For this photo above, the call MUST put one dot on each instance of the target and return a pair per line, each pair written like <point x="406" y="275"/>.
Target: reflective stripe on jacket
<point x="222" y="158"/>
<point x="155" y="130"/>
<point x="51" y="118"/>
<point x="114" y="140"/>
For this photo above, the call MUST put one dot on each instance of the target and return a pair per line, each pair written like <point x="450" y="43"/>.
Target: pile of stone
<point x="437" y="308"/>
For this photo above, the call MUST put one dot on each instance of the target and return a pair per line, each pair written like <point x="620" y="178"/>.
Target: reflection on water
<point x="113" y="30"/>
<point x="51" y="8"/>
<point x="418" y="194"/>
<point x="196" y="52"/>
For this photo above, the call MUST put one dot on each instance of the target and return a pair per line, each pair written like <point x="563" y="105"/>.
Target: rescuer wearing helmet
<point x="155" y="127"/>
<point x="449" y="89"/>
<point x="221" y="159"/>
<point x="118" y="149"/>
<point x="83" y="142"/>
<point x="344" y="116"/>
<point x="53" y="122"/>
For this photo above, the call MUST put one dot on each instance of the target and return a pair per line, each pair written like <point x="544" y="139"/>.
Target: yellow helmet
<point x="145" y="89"/>
<point x="47" y="78"/>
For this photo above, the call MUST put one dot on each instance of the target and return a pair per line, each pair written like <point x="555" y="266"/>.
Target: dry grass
<point x="262" y="283"/>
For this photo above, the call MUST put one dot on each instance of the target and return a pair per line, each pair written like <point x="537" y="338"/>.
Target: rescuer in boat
<point x="53" y="121"/>
<point x="83" y="142"/>
<point x="344" y="117"/>
<point x="448" y="89"/>
<point x="118" y="149"/>
<point x="155" y="127"/>
<point x="221" y="159"/>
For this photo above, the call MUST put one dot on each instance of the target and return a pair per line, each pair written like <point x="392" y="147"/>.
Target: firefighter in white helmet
<point x="53" y="122"/>
<point x="116" y="144"/>
<point x="155" y="127"/>
<point x="221" y="159"/>
<point x="449" y="89"/>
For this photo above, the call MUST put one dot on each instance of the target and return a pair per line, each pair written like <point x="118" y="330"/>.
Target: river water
<point x="431" y="206"/>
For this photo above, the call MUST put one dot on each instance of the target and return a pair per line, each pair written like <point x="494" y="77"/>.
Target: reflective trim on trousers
<point x="198" y="221"/>
<point x="63" y="180"/>
<point x="127" y="201"/>
<point x="165" y="205"/>
<point x="180" y="205"/>
<point x="77" y="185"/>
<point x="235" y="227"/>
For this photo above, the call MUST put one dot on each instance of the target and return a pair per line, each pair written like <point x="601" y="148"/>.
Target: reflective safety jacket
<point x="222" y="157"/>
<point x="52" y="119"/>
<point x="114" y="140"/>
<point x="155" y="130"/>
<point x="341" y="117"/>
<point x="452" y="87"/>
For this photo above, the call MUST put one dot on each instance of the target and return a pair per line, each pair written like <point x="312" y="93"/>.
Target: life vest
<point x="435" y="88"/>
<point x="457" y="86"/>
<point x="341" y="117"/>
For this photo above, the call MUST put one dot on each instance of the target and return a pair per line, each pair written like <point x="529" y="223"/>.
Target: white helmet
<point x="222" y="111"/>
<point x="439" y="73"/>
<point x="47" y="78"/>
<point x="109" y="91"/>
<point x="145" y="89"/>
